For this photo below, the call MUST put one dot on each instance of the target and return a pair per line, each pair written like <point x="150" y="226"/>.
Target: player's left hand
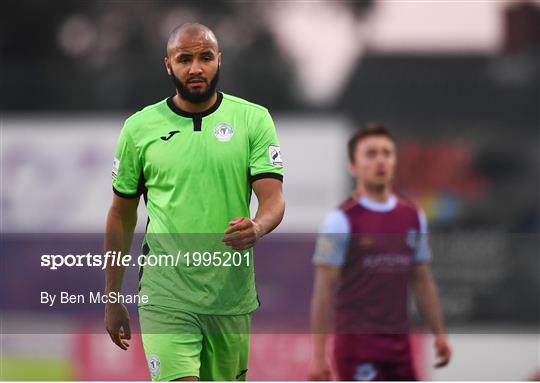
<point x="242" y="233"/>
<point x="442" y="350"/>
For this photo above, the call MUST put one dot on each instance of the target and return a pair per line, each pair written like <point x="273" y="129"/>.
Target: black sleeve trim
<point x="124" y="195"/>
<point x="265" y="175"/>
<point x="141" y="189"/>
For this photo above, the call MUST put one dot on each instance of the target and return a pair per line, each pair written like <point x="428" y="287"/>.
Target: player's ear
<point x="168" y="66"/>
<point x="219" y="59"/>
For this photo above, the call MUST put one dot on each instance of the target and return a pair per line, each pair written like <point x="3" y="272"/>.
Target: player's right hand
<point x="319" y="370"/>
<point x="117" y="324"/>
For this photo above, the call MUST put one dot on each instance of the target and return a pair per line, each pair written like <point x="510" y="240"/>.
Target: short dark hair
<point x="371" y="129"/>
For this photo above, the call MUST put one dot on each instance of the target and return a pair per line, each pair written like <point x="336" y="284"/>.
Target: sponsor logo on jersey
<point x="274" y="153"/>
<point x="154" y="364"/>
<point x="386" y="261"/>
<point x="223" y="132"/>
<point x="169" y="135"/>
<point x="365" y="372"/>
<point x="115" y="167"/>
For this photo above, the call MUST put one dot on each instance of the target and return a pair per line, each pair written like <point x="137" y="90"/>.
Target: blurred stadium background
<point x="458" y="82"/>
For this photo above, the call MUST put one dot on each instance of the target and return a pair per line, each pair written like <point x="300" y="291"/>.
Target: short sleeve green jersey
<point x="195" y="171"/>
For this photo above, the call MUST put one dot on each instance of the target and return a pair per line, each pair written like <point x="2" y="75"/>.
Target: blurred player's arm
<point x="326" y="277"/>
<point x="329" y="257"/>
<point x="427" y="302"/>
<point x="244" y="232"/>
<point x="121" y="222"/>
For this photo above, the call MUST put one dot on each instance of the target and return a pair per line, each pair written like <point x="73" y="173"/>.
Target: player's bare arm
<point x="427" y="301"/>
<point x="121" y="221"/>
<point x="326" y="277"/>
<point x="244" y="232"/>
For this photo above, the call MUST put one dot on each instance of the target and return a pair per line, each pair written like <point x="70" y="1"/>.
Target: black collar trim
<point x="172" y="106"/>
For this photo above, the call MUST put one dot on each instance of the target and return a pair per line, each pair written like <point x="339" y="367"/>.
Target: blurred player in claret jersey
<point x="369" y="250"/>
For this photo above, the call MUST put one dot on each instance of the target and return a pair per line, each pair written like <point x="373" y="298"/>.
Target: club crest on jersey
<point x="365" y="241"/>
<point x="365" y="372"/>
<point x="223" y="132"/>
<point x="274" y="154"/>
<point x="154" y="365"/>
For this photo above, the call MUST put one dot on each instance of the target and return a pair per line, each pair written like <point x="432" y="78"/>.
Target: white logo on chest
<point x="223" y="132"/>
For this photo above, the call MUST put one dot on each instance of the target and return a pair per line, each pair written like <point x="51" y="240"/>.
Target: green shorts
<point x="179" y="344"/>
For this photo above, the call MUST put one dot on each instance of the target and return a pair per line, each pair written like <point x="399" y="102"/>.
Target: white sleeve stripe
<point x="422" y="253"/>
<point x="423" y="222"/>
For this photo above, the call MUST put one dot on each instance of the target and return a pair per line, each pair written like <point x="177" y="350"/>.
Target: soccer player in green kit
<point x="196" y="157"/>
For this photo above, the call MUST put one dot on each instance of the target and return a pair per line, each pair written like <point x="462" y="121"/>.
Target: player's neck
<point x="194" y="108"/>
<point x="379" y="194"/>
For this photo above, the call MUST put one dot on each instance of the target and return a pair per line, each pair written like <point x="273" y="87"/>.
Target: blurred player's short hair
<point x="369" y="130"/>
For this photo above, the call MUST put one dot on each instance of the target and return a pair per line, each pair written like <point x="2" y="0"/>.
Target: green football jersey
<point x="195" y="171"/>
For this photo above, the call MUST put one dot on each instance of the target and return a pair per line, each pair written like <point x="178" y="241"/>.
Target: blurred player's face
<point x="193" y="64"/>
<point x="374" y="162"/>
